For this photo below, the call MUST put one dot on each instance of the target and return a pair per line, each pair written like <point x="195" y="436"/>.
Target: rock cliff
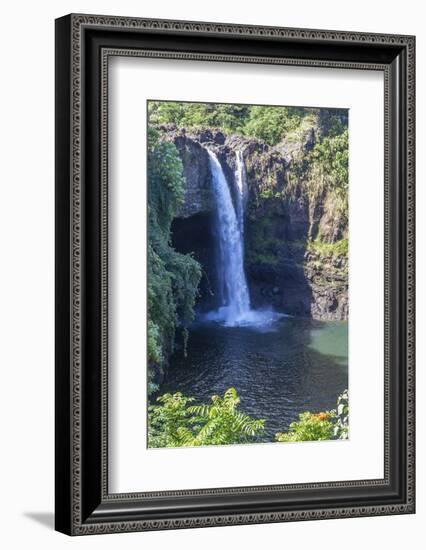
<point x="295" y="236"/>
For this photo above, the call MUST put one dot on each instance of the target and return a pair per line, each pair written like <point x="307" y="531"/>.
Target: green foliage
<point x="330" y="163"/>
<point x="341" y="426"/>
<point x="176" y="422"/>
<point x="262" y="247"/>
<point x="173" y="278"/>
<point x="152" y="386"/>
<point x="229" y="118"/>
<point x="165" y="420"/>
<point x="327" y="250"/>
<point x="154" y="349"/>
<point x="271" y="124"/>
<point x="310" y="427"/>
<point x="160" y="112"/>
<point x="320" y="426"/>
<point x="255" y="259"/>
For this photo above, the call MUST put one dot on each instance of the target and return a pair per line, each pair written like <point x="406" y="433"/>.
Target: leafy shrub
<point x="310" y="427"/>
<point x="176" y="422"/>
<point x="271" y="124"/>
<point x="320" y="426"/>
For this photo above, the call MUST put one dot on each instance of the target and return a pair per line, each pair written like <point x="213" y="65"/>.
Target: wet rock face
<point x="329" y="305"/>
<point x="328" y="280"/>
<point x="199" y="198"/>
<point x="282" y="217"/>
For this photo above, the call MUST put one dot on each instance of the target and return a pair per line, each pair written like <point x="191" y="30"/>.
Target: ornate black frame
<point x="83" y="46"/>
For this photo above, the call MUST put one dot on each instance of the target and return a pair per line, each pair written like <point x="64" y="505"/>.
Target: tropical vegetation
<point x="177" y="421"/>
<point x="267" y="123"/>
<point x="173" y="277"/>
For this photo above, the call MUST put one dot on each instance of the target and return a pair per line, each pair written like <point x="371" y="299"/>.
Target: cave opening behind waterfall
<point x="196" y="235"/>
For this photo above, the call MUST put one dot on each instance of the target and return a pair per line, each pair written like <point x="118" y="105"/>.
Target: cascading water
<point x="240" y="178"/>
<point x="232" y="279"/>
<point x="233" y="290"/>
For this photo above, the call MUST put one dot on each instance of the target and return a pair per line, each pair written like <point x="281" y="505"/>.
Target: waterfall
<point x="233" y="290"/>
<point x="230" y="228"/>
<point x="240" y="179"/>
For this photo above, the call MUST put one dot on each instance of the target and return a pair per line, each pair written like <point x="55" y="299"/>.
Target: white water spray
<point x="232" y="278"/>
<point x="233" y="290"/>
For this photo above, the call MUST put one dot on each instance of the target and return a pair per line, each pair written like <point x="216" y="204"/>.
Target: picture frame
<point x="84" y="44"/>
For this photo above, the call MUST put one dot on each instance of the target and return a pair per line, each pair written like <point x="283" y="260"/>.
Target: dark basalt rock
<point x="199" y="197"/>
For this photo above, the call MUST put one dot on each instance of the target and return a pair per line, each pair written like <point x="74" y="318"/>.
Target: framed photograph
<point x="234" y="274"/>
